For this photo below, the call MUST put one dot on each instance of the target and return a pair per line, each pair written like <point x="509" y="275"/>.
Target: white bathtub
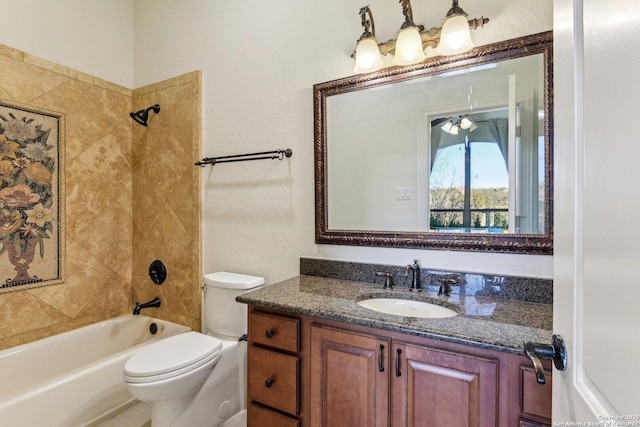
<point x="75" y="377"/>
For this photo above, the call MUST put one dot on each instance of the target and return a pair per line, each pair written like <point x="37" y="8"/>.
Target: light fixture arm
<point x="408" y="15"/>
<point x="368" y="24"/>
<point x="455" y="10"/>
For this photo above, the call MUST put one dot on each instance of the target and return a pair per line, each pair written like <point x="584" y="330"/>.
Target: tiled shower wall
<point x="166" y="198"/>
<point x="113" y="228"/>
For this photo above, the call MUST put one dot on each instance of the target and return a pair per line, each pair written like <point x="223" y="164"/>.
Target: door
<point x="436" y="387"/>
<point x="349" y="379"/>
<point x="597" y="202"/>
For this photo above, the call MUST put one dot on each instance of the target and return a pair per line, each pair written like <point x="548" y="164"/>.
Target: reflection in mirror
<point x="454" y="154"/>
<point x="468" y="177"/>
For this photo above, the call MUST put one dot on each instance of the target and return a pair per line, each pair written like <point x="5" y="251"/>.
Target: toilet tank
<point x="222" y="314"/>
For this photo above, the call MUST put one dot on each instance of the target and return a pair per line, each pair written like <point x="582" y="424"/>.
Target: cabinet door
<point x="349" y="379"/>
<point x="434" y="387"/>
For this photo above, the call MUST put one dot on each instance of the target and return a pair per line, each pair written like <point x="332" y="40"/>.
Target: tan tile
<point x="86" y="121"/>
<point x="86" y="276"/>
<point x="22" y="312"/>
<point x="114" y="296"/>
<point x="112" y="87"/>
<point x="12" y="53"/>
<point x="109" y="238"/>
<point x="113" y="104"/>
<point x="25" y="83"/>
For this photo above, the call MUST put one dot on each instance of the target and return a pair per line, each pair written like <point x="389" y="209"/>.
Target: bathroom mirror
<point x="454" y="153"/>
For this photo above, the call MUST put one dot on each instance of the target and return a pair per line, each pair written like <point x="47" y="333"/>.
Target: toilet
<point x="199" y="379"/>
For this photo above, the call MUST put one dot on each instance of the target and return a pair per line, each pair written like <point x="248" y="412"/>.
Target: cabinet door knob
<point x="268" y="383"/>
<point x="269" y="334"/>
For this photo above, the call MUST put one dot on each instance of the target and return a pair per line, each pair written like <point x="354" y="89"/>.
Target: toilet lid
<point x="172" y="354"/>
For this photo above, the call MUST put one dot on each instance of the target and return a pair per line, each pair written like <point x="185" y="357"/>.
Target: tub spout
<point x="153" y="303"/>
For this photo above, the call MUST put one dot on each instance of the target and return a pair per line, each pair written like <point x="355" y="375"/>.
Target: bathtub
<point x="74" y="378"/>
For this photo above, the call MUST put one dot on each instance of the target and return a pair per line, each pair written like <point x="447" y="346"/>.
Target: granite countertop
<point x="481" y="321"/>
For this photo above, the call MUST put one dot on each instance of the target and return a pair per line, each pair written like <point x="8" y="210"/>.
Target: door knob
<point x="555" y="351"/>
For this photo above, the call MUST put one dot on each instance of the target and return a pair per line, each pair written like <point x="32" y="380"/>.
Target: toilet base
<point x="221" y="398"/>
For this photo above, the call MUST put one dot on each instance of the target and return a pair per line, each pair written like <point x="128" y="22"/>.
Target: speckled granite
<point x="504" y="287"/>
<point x="481" y="321"/>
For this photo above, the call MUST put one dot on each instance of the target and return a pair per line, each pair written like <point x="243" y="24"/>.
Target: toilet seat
<point x="171" y="357"/>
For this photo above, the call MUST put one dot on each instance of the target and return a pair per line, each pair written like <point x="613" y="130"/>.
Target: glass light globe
<point x="367" y="56"/>
<point x="408" y="47"/>
<point x="465" y="122"/>
<point x="455" y="37"/>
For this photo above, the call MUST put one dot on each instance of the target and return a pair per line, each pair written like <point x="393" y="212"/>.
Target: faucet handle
<point x="445" y="285"/>
<point x="388" y="281"/>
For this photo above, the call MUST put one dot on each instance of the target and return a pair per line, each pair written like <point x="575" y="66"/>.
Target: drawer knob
<point x="268" y="383"/>
<point x="269" y="334"/>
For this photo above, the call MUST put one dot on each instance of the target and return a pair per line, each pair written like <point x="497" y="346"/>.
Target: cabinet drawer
<point x="257" y="416"/>
<point x="274" y="331"/>
<point x="273" y="379"/>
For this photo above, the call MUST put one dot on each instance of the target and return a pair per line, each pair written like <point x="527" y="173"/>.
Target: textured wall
<point x="166" y="194"/>
<point x="98" y="199"/>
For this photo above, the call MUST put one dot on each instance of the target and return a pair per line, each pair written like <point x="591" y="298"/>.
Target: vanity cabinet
<point x="273" y="370"/>
<point x="349" y="378"/>
<point x="340" y="374"/>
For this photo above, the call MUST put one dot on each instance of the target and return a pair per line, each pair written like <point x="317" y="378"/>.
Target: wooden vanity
<point x="308" y="370"/>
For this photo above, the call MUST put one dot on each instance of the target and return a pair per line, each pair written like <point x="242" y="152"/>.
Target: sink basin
<point x="407" y="308"/>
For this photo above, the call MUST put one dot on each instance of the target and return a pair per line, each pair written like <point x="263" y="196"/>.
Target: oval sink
<point x="407" y="308"/>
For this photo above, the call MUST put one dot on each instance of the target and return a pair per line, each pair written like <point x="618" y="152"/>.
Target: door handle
<point x="380" y="361"/>
<point x="398" y="352"/>
<point x="555" y="351"/>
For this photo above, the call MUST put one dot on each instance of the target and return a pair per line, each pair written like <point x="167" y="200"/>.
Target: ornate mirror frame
<point x="489" y="242"/>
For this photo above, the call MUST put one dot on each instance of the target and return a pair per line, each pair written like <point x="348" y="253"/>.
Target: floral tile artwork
<point x="31" y="197"/>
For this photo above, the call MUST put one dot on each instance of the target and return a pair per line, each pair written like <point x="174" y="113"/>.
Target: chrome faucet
<point x="388" y="279"/>
<point x="445" y="285"/>
<point x="153" y="303"/>
<point x="415" y="279"/>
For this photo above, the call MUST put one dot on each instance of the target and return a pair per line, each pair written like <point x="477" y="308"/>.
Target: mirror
<point x="453" y="153"/>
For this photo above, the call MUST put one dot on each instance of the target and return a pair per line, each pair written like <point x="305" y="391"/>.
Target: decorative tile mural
<point x="31" y="197"/>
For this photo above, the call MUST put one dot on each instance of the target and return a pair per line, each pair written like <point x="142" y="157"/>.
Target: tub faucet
<point x="415" y="279"/>
<point x="153" y="303"/>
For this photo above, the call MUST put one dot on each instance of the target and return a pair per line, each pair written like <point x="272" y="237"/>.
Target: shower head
<point x="143" y="115"/>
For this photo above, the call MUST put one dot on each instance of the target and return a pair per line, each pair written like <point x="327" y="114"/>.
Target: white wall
<point x="259" y="62"/>
<point x="95" y="37"/>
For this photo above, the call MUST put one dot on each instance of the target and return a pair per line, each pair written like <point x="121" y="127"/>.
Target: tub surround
<point x="132" y="196"/>
<point x="166" y="197"/>
<point x="98" y="199"/>
<point x="483" y="321"/>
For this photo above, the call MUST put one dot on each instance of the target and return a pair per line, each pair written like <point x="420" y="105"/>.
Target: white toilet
<point x="198" y="379"/>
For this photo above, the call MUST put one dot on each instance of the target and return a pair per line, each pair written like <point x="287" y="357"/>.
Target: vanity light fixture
<point x="367" y="52"/>
<point x="412" y="41"/>
<point x="455" y="37"/>
<point x="409" y="48"/>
